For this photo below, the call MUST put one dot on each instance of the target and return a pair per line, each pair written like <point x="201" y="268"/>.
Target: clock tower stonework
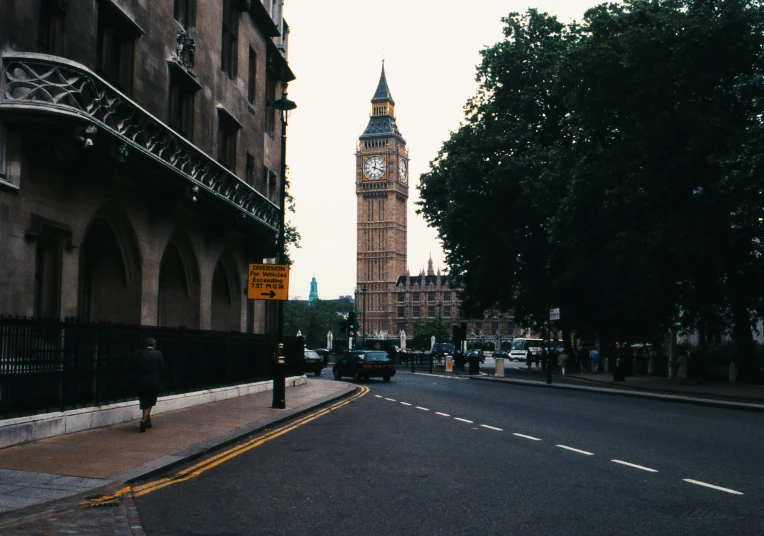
<point x="382" y="191"/>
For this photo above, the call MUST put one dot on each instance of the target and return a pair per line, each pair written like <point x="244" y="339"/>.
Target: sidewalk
<point x="73" y="464"/>
<point x="741" y="396"/>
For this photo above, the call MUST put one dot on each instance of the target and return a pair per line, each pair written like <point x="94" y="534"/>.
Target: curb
<point x="22" y="515"/>
<point x="746" y="406"/>
<point x="205" y="447"/>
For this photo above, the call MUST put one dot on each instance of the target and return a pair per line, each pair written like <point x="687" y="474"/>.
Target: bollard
<point x="474" y="365"/>
<point x="449" y="363"/>
<point x="499" y="367"/>
<point x="618" y="371"/>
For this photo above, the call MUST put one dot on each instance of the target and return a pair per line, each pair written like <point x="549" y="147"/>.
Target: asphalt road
<point x="427" y="455"/>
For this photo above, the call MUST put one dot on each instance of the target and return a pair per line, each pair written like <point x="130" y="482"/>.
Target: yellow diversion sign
<point x="268" y="282"/>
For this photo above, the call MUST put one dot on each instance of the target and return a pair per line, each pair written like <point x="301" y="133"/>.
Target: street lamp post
<point x="363" y="323"/>
<point x="284" y="106"/>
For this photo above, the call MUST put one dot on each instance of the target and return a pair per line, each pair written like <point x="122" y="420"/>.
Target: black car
<point x="364" y="365"/>
<point x="476" y="353"/>
<point x="313" y="362"/>
<point x="501" y="354"/>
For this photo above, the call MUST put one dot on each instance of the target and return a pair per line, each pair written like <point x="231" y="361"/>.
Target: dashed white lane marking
<point x="491" y="428"/>
<point x="390" y="399"/>
<point x="423" y="409"/>
<point x="463" y="420"/>
<point x="405" y="403"/>
<point x="443" y="414"/>
<point x="635" y="466"/>
<point x="575" y="450"/>
<point x="727" y="490"/>
<point x="527" y="437"/>
<point x="378" y="396"/>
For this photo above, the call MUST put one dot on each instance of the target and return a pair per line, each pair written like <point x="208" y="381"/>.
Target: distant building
<point x="313" y="296"/>
<point x="388" y="298"/>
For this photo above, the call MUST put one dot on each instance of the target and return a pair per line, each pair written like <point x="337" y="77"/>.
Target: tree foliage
<point x="315" y="320"/>
<point x="613" y="169"/>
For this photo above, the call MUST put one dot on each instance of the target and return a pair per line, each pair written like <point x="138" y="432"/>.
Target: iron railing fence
<point x="50" y="365"/>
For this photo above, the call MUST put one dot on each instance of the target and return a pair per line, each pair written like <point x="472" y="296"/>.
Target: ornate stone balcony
<point x="58" y="86"/>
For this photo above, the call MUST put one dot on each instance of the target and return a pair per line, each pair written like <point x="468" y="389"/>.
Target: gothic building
<point x="388" y="298"/>
<point x="140" y="154"/>
<point x="313" y="296"/>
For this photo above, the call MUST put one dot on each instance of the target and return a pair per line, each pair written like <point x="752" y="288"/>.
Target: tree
<point x="424" y="332"/>
<point x="620" y="163"/>
<point x="314" y="320"/>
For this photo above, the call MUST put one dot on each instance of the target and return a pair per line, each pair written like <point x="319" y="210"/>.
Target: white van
<point x="521" y="347"/>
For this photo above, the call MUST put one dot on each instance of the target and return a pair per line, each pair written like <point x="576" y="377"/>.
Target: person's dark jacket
<point x="149" y="367"/>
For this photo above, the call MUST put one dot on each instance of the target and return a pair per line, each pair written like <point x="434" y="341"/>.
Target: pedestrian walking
<point x="149" y="368"/>
<point x="594" y="360"/>
<point x="683" y="363"/>
<point x="528" y="358"/>
<point x="563" y="362"/>
<point x="583" y="360"/>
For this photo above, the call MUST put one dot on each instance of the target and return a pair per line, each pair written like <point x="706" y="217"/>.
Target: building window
<point x="494" y="328"/>
<point x="228" y="53"/>
<point x="250" y="170"/>
<point x="401" y="312"/>
<point x="251" y="76"/>
<point x="401" y="296"/>
<point x="185" y="13"/>
<point x="182" y="96"/>
<point x="446" y="311"/>
<point x="478" y="326"/>
<point x="50" y="30"/>
<point x="431" y="296"/>
<point x="269" y="185"/>
<point x="415" y="297"/>
<point x="447" y="296"/>
<point x="227" y="132"/>
<point x="270" y="99"/>
<point x="431" y="311"/>
<point x="116" y="45"/>
<point x="416" y="311"/>
<point x="401" y="327"/>
<point x="47" y="278"/>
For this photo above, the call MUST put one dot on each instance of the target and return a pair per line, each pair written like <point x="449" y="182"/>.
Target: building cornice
<point x="58" y="86"/>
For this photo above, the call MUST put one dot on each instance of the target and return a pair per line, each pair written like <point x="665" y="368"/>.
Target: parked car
<point x="313" y="362"/>
<point x="364" y="365"/>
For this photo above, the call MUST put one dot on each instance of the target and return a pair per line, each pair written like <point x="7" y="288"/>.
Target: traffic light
<point x="351" y="322"/>
<point x="344" y="327"/>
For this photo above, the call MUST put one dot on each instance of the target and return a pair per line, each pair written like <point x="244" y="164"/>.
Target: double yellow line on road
<point x="214" y="461"/>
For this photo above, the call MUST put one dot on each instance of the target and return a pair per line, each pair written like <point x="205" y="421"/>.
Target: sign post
<point x="270" y="282"/>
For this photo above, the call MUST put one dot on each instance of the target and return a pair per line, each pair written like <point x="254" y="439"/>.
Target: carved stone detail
<point x="185" y="48"/>
<point x="47" y="81"/>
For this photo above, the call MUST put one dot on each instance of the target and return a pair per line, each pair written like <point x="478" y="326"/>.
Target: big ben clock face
<point x="374" y="167"/>
<point x="402" y="170"/>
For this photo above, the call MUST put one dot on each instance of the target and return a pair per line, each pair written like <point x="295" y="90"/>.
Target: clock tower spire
<point x="382" y="192"/>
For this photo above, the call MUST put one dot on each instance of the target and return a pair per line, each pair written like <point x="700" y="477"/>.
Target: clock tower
<point x="382" y="191"/>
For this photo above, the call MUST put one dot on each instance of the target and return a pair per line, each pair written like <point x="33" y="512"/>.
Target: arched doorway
<point x="178" y="285"/>
<point x="110" y="270"/>
<point x="226" y="296"/>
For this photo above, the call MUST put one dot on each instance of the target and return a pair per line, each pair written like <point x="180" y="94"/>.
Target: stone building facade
<point x="140" y="154"/>
<point x="388" y="298"/>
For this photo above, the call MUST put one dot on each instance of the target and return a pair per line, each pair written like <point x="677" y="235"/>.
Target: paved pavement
<point x="738" y="395"/>
<point x="70" y="468"/>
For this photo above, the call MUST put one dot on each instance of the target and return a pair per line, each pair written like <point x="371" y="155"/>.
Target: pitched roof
<point x="383" y="92"/>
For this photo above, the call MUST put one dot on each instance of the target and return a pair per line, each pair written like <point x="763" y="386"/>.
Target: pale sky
<point x="431" y="49"/>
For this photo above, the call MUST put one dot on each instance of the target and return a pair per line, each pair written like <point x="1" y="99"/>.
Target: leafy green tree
<point x="314" y="320"/>
<point x="424" y="331"/>
<point x="613" y="169"/>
